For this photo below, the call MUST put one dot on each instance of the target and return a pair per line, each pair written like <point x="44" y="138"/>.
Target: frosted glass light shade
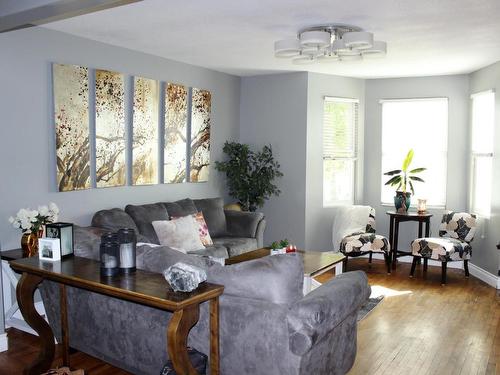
<point x="319" y="39"/>
<point x="378" y="49"/>
<point x="304" y="59"/>
<point x="287" y="48"/>
<point x="358" y="39"/>
<point x="338" y="45"/>
<point x="328" y="57"/>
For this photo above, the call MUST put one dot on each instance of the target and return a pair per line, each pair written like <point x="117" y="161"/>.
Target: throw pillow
<point x="181" y="234"/>
<point x="205" y="238"/>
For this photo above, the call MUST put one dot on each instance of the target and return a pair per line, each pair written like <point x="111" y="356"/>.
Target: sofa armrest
<point x="242" y="224"/>
<point x="318" y="313"/>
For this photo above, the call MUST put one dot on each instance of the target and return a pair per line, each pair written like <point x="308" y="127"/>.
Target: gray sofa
<point x="233" y="232"/>
<point x="267" y="326"/>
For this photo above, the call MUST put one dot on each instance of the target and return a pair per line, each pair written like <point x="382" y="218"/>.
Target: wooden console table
<point x="394" y="219"/>
<point x="147" y="288"/>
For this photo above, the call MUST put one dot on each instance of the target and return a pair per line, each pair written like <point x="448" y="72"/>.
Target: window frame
<point x="354" y="159"/>
<point x="417" y="99"/>
<point x="475" y="155"/>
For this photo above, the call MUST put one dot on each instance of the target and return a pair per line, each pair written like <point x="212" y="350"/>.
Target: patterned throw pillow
<point x="202" y="226"/>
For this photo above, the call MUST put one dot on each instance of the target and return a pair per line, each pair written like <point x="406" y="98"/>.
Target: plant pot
<point x="402" y="202"/>
<point x="29" y="244"/>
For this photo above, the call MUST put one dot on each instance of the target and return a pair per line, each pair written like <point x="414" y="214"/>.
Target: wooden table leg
<point x="214" y="336"/>
<point x="25" y="291"/>
<point x="395" y="243"/>
<point x="177" y="334"/>
<point x="64" y="325"/>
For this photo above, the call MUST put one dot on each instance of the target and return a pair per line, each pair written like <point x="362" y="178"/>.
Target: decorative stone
<point x="183" y="277"/>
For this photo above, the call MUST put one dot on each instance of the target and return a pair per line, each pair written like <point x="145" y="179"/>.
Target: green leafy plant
<point x="402" y="178"/>
<point x="250" y="175"/>
<point x="280" y="244"/>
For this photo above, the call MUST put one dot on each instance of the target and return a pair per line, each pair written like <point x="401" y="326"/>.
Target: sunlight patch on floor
<point x="379" y="290"/>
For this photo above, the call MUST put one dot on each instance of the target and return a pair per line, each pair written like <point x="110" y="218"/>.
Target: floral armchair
<point x="456" y="232"/>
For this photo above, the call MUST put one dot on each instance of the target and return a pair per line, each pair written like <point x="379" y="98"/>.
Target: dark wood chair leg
<point x="443" y="273"/>
<point x="370" y="257"/>
<point x="413" y="265"/>
<point x="345" y="264"/>
<point x="425" y="264"/>
<point x="466" y="268"/>
<point x="387" y="258"/>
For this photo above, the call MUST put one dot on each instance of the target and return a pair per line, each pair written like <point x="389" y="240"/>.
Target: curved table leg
<point x="177" y="334"/>
<point x="24" y="292"/>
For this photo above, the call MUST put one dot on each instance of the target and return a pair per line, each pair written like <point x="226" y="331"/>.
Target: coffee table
<point x="315" y="263"/>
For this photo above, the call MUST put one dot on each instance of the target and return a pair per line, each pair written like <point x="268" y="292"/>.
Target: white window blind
<point x="340" y="127"/>
<point x="483" y="124"/>
<point x="421" y="125"/>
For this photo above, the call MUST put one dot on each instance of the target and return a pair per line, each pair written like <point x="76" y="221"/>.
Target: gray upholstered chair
<point x="367" y="242"/>
<point x="456" y="231"/>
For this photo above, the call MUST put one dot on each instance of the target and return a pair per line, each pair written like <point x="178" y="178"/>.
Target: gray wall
<point x="319" y="219"/>
<point x="485" y="254"/>
<point x="274" y="111"/>
<point x="456" y="89"/>
<point x="27" y="149"/>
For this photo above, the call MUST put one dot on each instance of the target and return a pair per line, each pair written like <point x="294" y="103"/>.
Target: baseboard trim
<point x="484" y="276"/>
<point x="4" y="344"/>
<point x="474" y="270"/>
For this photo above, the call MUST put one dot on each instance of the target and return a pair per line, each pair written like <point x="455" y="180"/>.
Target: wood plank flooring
<point x="422" y="329"/>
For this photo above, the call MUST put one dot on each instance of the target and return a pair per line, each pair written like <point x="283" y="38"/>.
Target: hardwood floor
<point x="420" y="328"/>
<point x="426" y="328"/>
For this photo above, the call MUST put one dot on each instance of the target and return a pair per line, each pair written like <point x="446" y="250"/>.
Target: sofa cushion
<point x="277" y="278"/>
<point x="179" y="234"/>
<point x="212" y="251"/>
<point x="213" y="211"/>
<point x="144" y="215"/>
<point x="113" y="220"/>
<point x="236" y="245"/>
<point x="87" y="241"/>
<point x="180" y="208"/>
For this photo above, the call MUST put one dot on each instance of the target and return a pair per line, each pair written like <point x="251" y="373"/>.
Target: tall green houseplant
<point x="250" y="175"/>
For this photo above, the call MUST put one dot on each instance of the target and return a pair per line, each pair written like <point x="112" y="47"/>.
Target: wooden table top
<point x="11" y="254"/>
<point x="143" y="287"/>
<point x="410" y="214"/>
<point x="314" y="261"/>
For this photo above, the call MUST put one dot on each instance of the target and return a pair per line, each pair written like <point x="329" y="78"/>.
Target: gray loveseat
<point x="233" y="232"/>
<point x="266" y="325"/>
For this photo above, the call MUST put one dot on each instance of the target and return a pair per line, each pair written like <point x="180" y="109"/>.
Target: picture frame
<point x="49" y="249"/>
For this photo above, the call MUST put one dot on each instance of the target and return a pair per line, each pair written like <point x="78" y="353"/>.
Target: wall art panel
<point x="200" y="135"/>
<point x="176" y="99"/>
<point x="145" y="132"/>
<point x="110" y="128"/>
<point x="71" y="114"/>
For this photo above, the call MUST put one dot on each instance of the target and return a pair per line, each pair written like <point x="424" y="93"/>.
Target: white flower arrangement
<point x="32" y="220"/>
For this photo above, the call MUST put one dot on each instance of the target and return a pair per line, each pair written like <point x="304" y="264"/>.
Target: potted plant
<point x="250" y="175"/>
<point x="282" y="247"/>
<point x="404" y="178"/>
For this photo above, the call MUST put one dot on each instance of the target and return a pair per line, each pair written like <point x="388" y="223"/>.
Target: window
<point x="483" y="118"/>
<point x="340" y="124"/>
<point x="421" y="125"/>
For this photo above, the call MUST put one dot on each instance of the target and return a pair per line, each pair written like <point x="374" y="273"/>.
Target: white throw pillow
<point x="180" y="234"/>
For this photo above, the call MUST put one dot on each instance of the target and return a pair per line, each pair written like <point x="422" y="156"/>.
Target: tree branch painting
<point x="175" y="133"/>
<point x="71" y="106"/>
<point x="200" y="135"/>
<point x="145" y="132"/>
<point x="110" y="128"/>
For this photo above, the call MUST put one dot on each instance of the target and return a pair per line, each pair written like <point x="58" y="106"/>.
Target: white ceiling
<point x="424" y="37"/>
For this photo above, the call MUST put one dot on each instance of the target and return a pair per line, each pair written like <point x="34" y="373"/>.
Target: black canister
<point x="109" y="255"/>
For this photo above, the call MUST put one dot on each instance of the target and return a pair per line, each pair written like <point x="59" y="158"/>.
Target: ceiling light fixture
<point x="332" y="42"/>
